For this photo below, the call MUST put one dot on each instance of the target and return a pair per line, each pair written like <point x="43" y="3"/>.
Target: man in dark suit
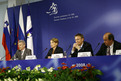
<point x="109" y="46"/>
<point x="22" y="52"/>
<point x="80" y="46"/>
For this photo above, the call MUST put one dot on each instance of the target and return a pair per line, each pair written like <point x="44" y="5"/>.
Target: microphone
<point x="44" y="50"/>
<point x="3" y="57"/>
<point x="65" y="52"/>
<point x="68" y="48"/>
<point x="96" y="46"/>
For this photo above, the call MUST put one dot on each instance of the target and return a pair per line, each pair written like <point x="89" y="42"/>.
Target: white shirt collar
<point x="81" y="45"/>
<point x="111" y="45"/>
<point x="23" y="50"/>
<point x="111" y="48"/>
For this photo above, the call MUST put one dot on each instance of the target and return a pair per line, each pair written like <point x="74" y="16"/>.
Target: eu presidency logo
<point x="53" y="9"/>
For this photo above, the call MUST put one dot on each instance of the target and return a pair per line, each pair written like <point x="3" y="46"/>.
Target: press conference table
<point x="109" y="65"/>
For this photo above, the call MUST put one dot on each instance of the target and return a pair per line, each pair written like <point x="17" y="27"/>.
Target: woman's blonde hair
<point x="55" y="40"/>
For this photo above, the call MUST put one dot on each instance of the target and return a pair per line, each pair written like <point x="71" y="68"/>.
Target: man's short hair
<point x="111" y="36"/>
<point x="79" y="34"/>
<point x="55" y="40"/>
<point x="22" y="41"/>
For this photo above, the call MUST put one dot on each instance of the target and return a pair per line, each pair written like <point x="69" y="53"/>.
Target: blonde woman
<point x="54" y="48"/>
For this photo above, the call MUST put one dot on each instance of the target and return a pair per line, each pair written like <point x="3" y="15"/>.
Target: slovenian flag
<point x="20" y="30"/>
<point x="29" y="30"/>
<point x="6" y="37"/>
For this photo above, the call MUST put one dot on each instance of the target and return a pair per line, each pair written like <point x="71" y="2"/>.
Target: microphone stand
<point x="65" y="52"/>
<point x="96" y="47"/>
<point x="3" y="57"/>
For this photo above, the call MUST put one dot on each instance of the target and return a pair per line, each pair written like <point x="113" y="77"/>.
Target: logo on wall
<point x="53" y="9"/>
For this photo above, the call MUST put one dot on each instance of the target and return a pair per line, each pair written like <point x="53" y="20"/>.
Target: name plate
<point x="59" y="55"/>
<point x="84" y="54"/>
<point x="118" y="52"/>
<point x="30" y="57"/>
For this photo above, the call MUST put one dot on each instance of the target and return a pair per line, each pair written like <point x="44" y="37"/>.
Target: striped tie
<point x="108" y="51"/>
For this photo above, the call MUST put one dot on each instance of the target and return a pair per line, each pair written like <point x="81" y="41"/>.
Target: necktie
<point x="108" y="51"/>
<point x="21" y="54"/>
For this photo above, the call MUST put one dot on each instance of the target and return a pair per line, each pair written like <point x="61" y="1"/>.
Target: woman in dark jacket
<point x="54" y="48"/>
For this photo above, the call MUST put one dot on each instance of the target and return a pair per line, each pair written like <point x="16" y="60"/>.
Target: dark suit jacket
<point x="103" y="49"/>
<point x="57" y="50"/>
<point x="85" y="48"/>
<point x="18" y="54"/>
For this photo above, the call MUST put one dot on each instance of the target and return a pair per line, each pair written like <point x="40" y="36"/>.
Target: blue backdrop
<point x="92" y="18"/>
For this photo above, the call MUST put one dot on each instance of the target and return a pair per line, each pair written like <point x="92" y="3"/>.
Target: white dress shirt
<point x="111" y="49"/>
<point x="77" y="49"/>
<point x="22" y="52"/>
